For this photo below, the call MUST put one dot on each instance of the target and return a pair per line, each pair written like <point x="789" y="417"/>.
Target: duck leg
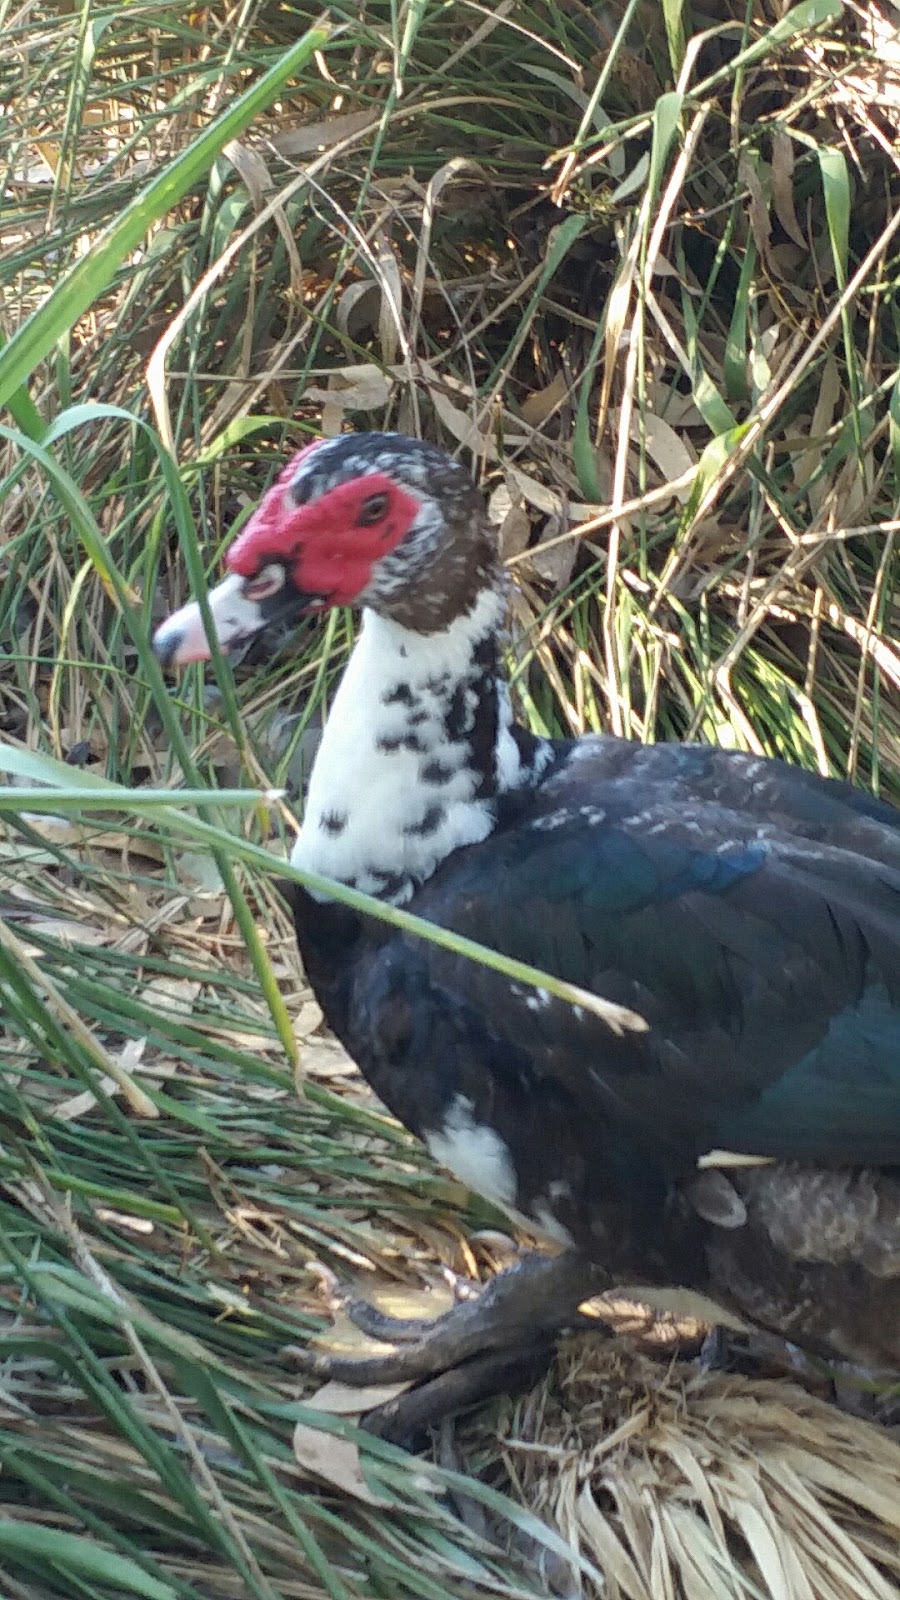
<point x="527" y="1303"/>
<point x="502" y="1337"/>
<point x="407" y="1419"/>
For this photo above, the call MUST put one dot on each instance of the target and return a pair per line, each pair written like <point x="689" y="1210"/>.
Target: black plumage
<point x="751" y="914"/>
<point x="745" y="1143"/>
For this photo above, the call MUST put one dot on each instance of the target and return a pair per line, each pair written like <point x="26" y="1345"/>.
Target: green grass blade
<point x="836" y="190"/>
<point x="93" y="273"/>
<point x="224" y="846"/>
<point x="673" y="16"/>
<point x="83" y="1558"/>
<point x="666" y="116"/>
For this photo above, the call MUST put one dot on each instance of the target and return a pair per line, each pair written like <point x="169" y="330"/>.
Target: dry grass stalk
<point x="696" y="1486"/>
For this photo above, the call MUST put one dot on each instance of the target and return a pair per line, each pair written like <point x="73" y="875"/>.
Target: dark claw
<point x="754" y="1355"/>
<point x="382" y="1326"/>
<point x="388" y="1329"/>
<point x="520" y="1310"/>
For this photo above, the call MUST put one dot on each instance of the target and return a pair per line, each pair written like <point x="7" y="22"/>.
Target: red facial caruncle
<point x="329" y="545"/>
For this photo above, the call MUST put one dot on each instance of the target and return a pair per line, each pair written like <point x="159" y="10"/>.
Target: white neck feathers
<point x="397" y="783"/>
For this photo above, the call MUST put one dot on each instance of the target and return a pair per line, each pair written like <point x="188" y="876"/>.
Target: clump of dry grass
<point x="680" y="1482"/>
<point x="643" y="279"/>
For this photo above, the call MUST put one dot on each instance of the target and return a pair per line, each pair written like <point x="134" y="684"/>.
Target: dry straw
<point x="681" y="1484"/>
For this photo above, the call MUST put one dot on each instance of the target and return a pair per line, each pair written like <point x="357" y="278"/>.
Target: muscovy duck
<point x="744" y="1142"/>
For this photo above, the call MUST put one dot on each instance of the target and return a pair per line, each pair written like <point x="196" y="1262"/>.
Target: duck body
<point x="743" y="1143"/>
<point x="765" y="962"/>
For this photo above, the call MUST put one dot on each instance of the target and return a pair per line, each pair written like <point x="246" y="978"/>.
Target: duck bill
<point x="236" y="618"/>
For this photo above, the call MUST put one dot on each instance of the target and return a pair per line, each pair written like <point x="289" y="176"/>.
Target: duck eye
<point x="267" y="582"/>
<point x="372" y="510"/>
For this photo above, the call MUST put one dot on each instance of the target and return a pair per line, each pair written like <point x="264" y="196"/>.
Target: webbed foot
<point x="500" y="1340"/>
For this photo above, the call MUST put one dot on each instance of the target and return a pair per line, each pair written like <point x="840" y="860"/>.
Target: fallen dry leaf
<point x="325" y="1058"/>
<point x="335" y="1460"/>
<point x="128" y="1058"/>
<point x="783" y="186"/>
<point x="308" y="1019"/>
<point x="174" y="996"/>
<point x="341" y="1400"/>
<point x="61" y="831"/>
<point x="357" y="309"/>
<point x="515" y="533"/>
<point x="536" y="493"/>
<point x="537" y="407"/>
<point x="359" y="388"/>
<point x="67" y="932"/>
<point x="667" y="450"/>
<point x="316" y="137"/>
<point x="555" y="563"/>
<point x="462" y="427"/>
